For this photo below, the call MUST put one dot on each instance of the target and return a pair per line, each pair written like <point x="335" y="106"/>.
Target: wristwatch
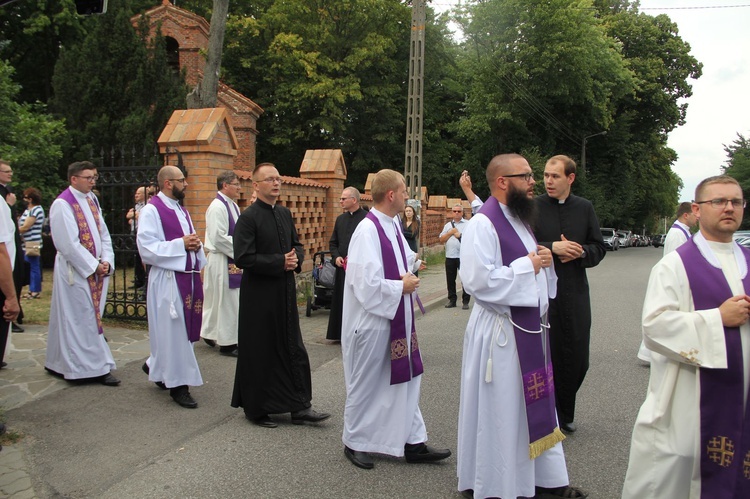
<point x="583" y="254"/>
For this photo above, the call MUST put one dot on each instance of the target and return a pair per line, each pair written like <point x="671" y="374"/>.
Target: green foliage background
<point x="532" y="76"/>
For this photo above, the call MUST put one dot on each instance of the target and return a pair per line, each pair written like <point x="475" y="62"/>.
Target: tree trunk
<point x="205" y="92"/>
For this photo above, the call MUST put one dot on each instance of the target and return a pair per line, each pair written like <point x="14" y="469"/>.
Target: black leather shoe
<point x="182" y="396"/>
<point x="450" y="304"/>
<point x="468" y="493"/>
<point x="230" y="351"/>
<point x="109" y="380"/>
<point x="465" y="306"/>
<point x="309" y="415"/>
<point x="210" y="343"/>
<point x="3" y="364"/>
<point x="146" y="370"/>
<point x="359" y="459"/>
<point x="566" y="491"/>
<point x="16" y="328"/>
<point x="2" y="429"/>
<point x="423" y="453"/>
<point x="568" y="427"/>
<point x="264" y="421"/>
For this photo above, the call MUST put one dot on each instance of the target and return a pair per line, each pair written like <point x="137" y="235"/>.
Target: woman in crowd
<point x="30" y="227"/>
<point x="410" y="224"/>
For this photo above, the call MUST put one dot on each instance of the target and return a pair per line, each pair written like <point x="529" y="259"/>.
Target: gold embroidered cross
<point x="721" y="451"/>
<point x="535" y="386"/>
<point x="691" y="356"/>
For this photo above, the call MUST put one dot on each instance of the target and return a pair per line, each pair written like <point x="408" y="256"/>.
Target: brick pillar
<point x="206" y="141"/>
<point x="327" y="166"/>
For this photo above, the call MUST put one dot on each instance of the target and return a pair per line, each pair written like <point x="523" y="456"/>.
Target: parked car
<point x="743" y="241"/>
<point x="611" y="241"/>
<point x="657" y="241"/>
<point x="624" y="236"/>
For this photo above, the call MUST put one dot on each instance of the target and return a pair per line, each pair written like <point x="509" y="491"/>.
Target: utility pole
<point x="414" y="115"/>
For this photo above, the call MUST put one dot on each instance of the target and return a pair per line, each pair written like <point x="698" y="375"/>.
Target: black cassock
<point x="570" y="311"/>
<point x="339" y="246"/>
<point x="273" y="369"/>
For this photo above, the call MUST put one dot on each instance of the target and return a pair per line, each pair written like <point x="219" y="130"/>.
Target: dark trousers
<point x="451" y="272"/>
<point x="4" y="329"/>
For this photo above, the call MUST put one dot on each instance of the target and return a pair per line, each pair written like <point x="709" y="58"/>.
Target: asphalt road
<point x="133" y="441"/>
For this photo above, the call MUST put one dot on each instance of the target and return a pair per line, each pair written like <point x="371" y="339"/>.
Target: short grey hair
<point x="225" y="177"/>
<point x="353" y="192"/>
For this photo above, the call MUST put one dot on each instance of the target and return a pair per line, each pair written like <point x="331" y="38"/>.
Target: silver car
<point x="611" y="241"/>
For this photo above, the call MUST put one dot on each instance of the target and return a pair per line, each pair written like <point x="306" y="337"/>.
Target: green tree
<point x="738" y="167"/>
<point x="328" y="74"/>
<point x="30" y="139"/>
<point x="115" y="88"/>
<point x="31" y="36"/>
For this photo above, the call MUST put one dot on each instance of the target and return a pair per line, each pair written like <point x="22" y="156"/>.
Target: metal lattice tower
<point x="413" y="159"/>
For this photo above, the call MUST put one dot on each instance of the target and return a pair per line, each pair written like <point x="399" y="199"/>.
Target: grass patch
<point x="433" y="258"/>
<point x="36" y="311"/>
<point x="10" y="437"/>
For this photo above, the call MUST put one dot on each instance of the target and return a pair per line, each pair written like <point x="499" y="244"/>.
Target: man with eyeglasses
<point x="567" y="225"/>
<point x="509" y="443"/>
<point x="8" y="295"/>
<point x="339" y="246"/>
<point x="691" y="434"/>
<point x="273" y="369"/>
<point x="451" y="237"/>
<point x="19" y="265"/>
<point x="222" y="278"/>
<point x="167" y="241"/>
<point x="76" y="347"/>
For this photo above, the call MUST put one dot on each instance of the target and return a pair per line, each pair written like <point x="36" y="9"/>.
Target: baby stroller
<point x="324" y="278"/>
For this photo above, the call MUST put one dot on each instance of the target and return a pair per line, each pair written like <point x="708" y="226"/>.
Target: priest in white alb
<point x="167" y="241"/>
<point x="692" y="435"/>
<point x="76" y="347"/>
<point x="382" y="362"/>
<point x="509" y="441"/>
<point x="221" y="277"/>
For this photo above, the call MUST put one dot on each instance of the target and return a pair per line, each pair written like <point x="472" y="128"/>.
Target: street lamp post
<point x="583" y="150"/>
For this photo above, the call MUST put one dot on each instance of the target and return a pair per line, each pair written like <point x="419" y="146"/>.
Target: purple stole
<point x="402" y="364"/>
<point x="724" y="421"/>
<point x="536" y="369"/>
<point x="189" y="281"/>
<point x="235" y="273"/>
<point x="96" y="285"/>
<point x="677" y="226"/>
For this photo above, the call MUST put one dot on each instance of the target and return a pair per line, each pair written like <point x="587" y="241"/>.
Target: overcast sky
<point x="720" y="105"/>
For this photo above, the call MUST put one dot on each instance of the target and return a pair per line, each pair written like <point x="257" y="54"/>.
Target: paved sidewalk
<point x="24" y="379"/>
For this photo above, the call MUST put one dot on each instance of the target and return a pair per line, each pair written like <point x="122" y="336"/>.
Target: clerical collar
<point x="78" y="193"/>
<point x="168" y="200"/>
<point x="264" y="204"/>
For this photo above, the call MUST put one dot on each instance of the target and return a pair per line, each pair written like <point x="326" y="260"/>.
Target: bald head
<point x="166" y="173"/>
<point x="500" y="165"/>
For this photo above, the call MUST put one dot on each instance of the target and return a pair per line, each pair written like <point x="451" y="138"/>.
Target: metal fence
<point x="122" y="171"/>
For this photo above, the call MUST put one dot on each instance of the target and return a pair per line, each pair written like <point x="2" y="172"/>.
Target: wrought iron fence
<point x="121" y="172"/>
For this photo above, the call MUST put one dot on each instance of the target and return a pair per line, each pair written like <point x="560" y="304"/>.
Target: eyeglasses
<point x="458" y="211"/>
<point x="181" y="180"/>
<point x="272" y="180"/>
<point x="7" y="171"/>
<point x="89" y="178"/>
<point x="234" y="184"/>
<point x="526" y="176"/>
<point x="720" y="203"/>
<point x="344" y="199"/>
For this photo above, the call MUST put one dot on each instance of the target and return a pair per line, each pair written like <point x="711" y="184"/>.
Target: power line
<point x="697" y="8"/>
